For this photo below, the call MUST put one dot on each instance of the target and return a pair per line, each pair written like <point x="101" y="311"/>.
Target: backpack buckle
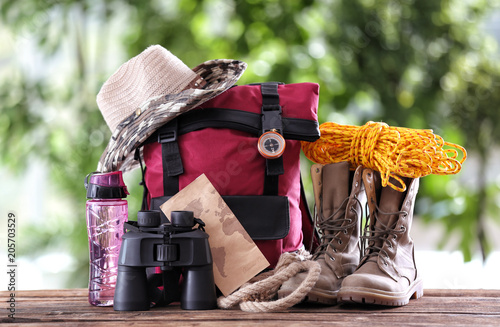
<point x="168" y="133"/>
<point x="168" y="136"/>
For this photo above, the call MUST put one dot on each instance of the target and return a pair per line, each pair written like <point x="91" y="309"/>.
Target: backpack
<point x="247" y="142"/>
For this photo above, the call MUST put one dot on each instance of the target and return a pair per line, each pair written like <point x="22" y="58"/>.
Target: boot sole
<point x="323" y="297"/>
<point x="378" y="297"/>
<point x="315" y="296"/>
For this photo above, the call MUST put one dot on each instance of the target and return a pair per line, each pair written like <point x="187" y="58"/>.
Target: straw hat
<point x="151" y="89"/>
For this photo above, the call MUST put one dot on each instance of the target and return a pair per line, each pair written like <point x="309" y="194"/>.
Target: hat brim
<point x="131" y="133"/>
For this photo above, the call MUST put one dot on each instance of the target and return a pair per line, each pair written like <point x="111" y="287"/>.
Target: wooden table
<point x="436" y="308"/>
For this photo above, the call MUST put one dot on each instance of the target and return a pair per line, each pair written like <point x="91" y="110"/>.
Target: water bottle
<point x="106" y="212"/>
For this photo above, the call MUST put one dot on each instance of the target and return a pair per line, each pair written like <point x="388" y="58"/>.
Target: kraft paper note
<point x="236" y="258"/>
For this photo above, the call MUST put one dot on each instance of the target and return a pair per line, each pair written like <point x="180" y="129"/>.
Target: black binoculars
<point x="178" y="249"/>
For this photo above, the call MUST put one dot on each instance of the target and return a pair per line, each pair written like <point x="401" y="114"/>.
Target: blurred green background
<point x="413" y="63"/>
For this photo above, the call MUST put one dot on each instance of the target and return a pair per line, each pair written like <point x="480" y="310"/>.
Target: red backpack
<point x="247" y="142"/>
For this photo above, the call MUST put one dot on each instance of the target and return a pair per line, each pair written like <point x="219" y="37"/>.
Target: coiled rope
<point x="258" y="295"/>
<point x="392" y="151"/>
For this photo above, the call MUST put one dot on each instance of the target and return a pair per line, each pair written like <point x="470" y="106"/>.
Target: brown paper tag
<point x="236" y="258"/>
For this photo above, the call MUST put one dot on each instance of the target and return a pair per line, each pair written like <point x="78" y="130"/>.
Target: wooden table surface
<point x="436" y="308"/>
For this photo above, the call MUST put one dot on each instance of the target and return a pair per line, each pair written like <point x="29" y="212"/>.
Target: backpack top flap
<point x="239" y="108"/>
<point x="304" y="97"/>
<point x="299" y="103"/>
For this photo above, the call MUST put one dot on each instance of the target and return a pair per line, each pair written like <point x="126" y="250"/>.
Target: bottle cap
<point x="106" y="186"/>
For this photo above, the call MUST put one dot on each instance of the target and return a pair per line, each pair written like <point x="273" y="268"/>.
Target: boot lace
<point x="374" y="237"/>
<point x="333" y="224"/>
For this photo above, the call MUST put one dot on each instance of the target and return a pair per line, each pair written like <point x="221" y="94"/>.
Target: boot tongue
<point x="335" y="187"/>
<point x="391" y="202"/>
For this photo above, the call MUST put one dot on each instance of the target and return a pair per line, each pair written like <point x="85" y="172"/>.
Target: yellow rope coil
<point x="392" y="151"/>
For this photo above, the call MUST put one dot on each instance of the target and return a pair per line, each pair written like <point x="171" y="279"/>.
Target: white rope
<point x="257" y="295"/>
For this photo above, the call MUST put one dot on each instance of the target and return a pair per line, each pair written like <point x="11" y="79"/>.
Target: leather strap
<point x="171" y="158"/>
<point x="293" y="128"/>
<point x="271" y="120"/>
<point x="137" y="156"/>
<point x="271" y="109"/>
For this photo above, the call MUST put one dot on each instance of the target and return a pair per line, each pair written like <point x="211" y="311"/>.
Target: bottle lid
<point x="106" y="186"/>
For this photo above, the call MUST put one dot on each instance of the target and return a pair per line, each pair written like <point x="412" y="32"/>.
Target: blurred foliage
<point x="419" y="64"/>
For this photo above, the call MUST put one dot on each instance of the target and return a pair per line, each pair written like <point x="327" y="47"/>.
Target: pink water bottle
<point x="106" y="213"/>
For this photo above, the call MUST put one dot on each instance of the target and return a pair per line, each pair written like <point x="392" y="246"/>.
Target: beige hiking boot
<point x="387" y="274"/>
<point x="338" y="195"/>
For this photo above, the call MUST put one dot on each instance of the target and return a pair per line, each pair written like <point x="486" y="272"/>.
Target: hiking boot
<point x="387" y="274"/>
<point x="338" y="194"/>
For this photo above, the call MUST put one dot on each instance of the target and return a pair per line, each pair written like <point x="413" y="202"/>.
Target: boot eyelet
<point x="403" y="228"/>
<point x="345" y="231"/>
<point x="339" y="241"/>
<point x="332" y="258"/>
<point x="356" y="185"/>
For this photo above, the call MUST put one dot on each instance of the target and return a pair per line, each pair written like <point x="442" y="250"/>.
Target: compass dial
<point x="271" y="145"/>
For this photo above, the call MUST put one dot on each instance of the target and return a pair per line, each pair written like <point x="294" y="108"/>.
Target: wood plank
<point x="461" y="293"/>
<point x="436" y="308"/>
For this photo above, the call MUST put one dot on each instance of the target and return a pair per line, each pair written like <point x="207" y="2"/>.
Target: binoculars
<point x="178" y="249"/>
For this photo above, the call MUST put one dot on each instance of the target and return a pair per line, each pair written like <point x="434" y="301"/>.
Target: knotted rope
<point x="392" y="151"/>
<point x="257" y="295"/>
